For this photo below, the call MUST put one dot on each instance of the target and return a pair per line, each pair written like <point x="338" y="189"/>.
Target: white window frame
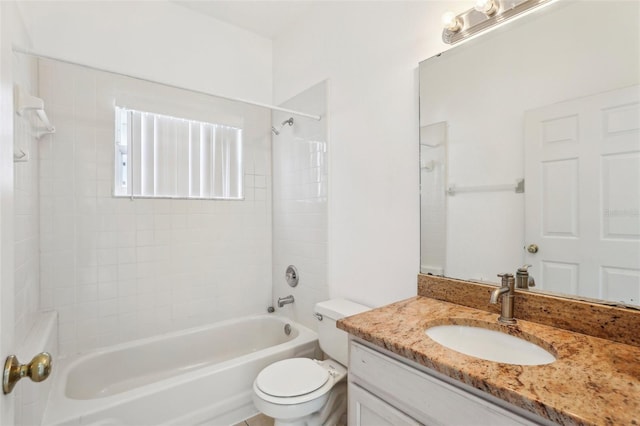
<point x="224" y="176"/>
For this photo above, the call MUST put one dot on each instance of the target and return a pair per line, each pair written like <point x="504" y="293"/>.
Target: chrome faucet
<point x="285" y="300"/>
<point x="506" y="292"/>
<point x="523" y="279"/>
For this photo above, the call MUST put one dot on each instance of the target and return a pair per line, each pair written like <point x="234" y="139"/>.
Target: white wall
<point x="26" y="232"/>
<point x="156" y="40"/>
<point x="300" y="190"/>
<point x="369" y="51"/>
<point x="116" y="269"/>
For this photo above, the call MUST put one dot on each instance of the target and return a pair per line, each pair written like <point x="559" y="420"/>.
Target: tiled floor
<point x="262" y="420"/>
<point x="259" y="420"/>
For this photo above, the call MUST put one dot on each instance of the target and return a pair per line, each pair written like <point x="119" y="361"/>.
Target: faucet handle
<point x="506" y="277"/>
<point x="523" y="279"/>
<point x="524" y="268"/>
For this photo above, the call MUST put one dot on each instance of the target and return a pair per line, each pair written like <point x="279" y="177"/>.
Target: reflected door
<point x="582" y="201"/>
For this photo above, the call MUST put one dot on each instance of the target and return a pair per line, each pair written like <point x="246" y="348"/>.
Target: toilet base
<point x="329" y="414"/>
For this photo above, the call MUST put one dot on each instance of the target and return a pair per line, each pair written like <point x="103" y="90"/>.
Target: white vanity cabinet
<point x="386" y="391"/>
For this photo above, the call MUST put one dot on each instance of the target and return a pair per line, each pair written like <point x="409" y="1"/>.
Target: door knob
<point x="532" y="248"/>
<point x="38" y="370"/>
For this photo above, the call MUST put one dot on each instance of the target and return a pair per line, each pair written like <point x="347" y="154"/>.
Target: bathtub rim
<point x="72" y="361"/>
<point x="60" y="408"/>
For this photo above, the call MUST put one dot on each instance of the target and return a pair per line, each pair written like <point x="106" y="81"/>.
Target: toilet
<point x="306" y="392"/>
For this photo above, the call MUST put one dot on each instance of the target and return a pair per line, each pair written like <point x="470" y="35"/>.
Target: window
<point x="167" y="157"/>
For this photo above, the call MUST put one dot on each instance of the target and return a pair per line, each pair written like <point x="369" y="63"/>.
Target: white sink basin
<point x="490" y="345"/>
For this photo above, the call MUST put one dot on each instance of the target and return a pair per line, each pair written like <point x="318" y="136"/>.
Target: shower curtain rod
<point x="228" y="98"/>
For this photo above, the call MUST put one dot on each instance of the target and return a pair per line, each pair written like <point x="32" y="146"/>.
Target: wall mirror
<point x="530" y="153"/>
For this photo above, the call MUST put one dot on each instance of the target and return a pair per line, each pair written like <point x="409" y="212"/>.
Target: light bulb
<point x="450" y="22"/>
<point x="488" y="7"/>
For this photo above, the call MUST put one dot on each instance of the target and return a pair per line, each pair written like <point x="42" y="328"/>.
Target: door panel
<point x="7" y="320"/>
<point x="564" y="275"/>
<point x="582" y="204"/>
<point x="621" y="195"/>
<point x="560" y="198"/>
<point x="621" y="284"/>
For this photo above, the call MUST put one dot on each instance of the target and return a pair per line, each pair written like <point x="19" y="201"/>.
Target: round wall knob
<point x="532" y="248"/>
<point x="291" y="275"/>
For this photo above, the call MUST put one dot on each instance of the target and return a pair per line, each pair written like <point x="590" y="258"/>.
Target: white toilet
<point x="305" y="392"/>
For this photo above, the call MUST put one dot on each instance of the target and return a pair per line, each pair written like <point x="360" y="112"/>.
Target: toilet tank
<point x="333" y="341"/>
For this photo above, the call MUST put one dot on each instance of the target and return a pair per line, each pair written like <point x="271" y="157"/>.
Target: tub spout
<point x="285" y="300"/>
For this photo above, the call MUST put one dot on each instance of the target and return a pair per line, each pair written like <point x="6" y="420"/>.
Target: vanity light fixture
<point x="483" y="16"/>
<point x="451" y="22"/>
<point x="488" y="7"/>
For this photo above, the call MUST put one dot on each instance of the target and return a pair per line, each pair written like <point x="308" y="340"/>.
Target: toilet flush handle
<point x="318" y="316"/>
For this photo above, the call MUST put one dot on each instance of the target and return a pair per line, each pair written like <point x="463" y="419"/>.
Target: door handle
<point x="532" y="248"/>
<point x="37" y="370"/>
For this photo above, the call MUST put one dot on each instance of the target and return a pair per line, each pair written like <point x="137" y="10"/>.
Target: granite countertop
<point x="593" y="381"/>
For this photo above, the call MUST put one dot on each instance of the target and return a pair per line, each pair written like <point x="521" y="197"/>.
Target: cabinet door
<point x="366" y="410"/>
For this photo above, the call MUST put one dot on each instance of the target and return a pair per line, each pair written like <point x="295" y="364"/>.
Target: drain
<point x="287" y="329"/>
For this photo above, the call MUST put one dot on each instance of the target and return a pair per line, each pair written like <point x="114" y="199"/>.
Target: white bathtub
<point x="193" y="377"/>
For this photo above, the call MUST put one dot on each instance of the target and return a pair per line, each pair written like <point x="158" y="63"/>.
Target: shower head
<point x="288" y="121"/>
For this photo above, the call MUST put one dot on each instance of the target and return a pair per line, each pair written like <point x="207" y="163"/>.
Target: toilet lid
<point x="292" y="377"/>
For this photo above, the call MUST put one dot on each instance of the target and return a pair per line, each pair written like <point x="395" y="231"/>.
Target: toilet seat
<point x="292" y="377"/>
<point x="333" y="371"/>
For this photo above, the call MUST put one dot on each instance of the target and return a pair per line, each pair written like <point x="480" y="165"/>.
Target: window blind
<point x="168" y="157"/>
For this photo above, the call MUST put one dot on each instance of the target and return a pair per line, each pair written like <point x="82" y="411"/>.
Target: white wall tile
<point x="299" y="212"/>
<point x="119" y="269"/>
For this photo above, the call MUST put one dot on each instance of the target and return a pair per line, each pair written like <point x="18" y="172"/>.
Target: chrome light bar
<point x="485" y="14"/>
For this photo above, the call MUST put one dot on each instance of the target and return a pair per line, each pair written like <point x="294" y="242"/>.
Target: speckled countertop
<point x="593" y="381"/>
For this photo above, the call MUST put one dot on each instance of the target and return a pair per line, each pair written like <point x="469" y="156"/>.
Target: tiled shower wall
<point x="26" y="202"/>
<point x="117" y="269"/>
<point x="300" y="178"/>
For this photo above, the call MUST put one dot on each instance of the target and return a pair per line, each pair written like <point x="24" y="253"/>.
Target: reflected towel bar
<point x="517" y="187"/>
<point x="22" y="157"/>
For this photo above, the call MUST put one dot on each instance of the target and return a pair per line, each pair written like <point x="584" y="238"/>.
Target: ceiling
<point x="266" y="18"/>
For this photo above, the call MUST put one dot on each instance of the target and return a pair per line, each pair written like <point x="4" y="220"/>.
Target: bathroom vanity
<point x="398" y="375"/>
<point x="387" y="390"/>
